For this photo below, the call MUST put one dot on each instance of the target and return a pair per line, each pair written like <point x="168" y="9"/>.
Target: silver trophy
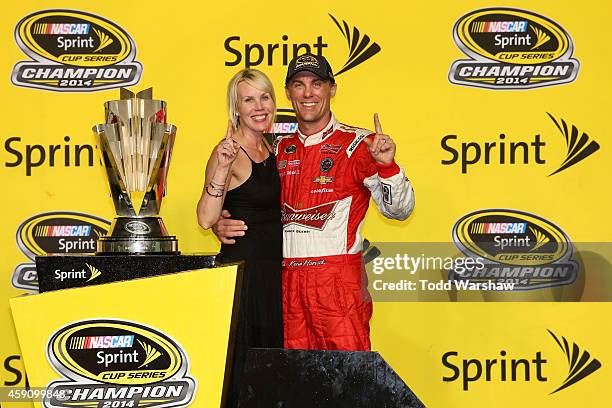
<point x="136" y="144"/>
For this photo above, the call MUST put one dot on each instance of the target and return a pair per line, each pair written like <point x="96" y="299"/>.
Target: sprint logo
<point x="509" y="367"/>
<point x="252" y="54"/>
<point x="95" y="272"/>
<point x="578" y="147"/>
<point x="580" y="363"/>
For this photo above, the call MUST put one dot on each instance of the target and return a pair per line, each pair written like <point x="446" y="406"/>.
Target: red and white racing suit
<point x="326" y="183"/>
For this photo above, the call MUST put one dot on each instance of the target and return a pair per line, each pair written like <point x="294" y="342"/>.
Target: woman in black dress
<point x="241" y="177"/>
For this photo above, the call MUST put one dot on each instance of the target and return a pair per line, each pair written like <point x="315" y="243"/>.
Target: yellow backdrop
<point x="188" y="50"/>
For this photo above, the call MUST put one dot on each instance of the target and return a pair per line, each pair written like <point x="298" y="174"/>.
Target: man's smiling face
<point x="311" y="99"/>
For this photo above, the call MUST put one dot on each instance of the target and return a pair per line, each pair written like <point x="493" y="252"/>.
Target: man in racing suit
<point x="328" y="172"/>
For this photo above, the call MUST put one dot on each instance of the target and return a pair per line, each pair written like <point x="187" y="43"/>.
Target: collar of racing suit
<point x="318" y="137"/>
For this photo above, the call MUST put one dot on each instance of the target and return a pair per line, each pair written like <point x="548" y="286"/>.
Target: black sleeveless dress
<point x="260" y="320"/>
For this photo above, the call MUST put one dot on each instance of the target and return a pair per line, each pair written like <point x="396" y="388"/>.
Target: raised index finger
<point x="377" y="126"/>
<point x="230" y="130"/>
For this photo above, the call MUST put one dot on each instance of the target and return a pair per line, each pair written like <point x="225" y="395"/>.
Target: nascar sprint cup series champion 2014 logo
<point x="518" y="248"/>
<point x="512" y="49"/>
<point x="117" y="363"/>
<point x="74" y="51"/>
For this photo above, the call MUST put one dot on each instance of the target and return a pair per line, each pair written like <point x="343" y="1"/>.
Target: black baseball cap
<point x="317" y="64"/>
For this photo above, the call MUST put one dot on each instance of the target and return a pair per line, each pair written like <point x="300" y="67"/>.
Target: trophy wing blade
<point x="125" y="93"/>
<point x="171" y="129"/>
<point x="145" y="94"/>
<point x="162" y="161"/>
<point x="110" y="154"/>
<point x="127" y="156"/>
<point x="150" y="112"/>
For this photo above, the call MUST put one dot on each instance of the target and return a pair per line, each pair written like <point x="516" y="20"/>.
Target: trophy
<point x="135" y="145"/>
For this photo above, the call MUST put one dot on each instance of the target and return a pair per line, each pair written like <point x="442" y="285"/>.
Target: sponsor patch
<point x="314" y="217"/>
<point x="386" y="193"/>
<point x="323" y="180"/>
<point x="321" y="190"/>
<point x="327" y="132"/>
<point x="326" y="164"/>
<point x="330" y="149"/>
<point x="306" y="61"/>
<point x="358" y="138"/>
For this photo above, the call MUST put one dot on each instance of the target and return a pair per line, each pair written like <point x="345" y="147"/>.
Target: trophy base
<point x="138" y="235"/>
<point x="138" y="246"/>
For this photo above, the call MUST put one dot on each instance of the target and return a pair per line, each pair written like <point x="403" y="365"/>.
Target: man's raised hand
<point x="381" y="146"/>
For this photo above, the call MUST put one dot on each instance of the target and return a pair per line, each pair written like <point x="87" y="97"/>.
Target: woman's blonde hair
<point x="253" y="77"/>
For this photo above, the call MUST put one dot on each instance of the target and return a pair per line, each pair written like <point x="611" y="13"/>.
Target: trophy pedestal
<point x="183" y="320"/>
<point x="138" y="235"/>
<point x="322" y="378"/>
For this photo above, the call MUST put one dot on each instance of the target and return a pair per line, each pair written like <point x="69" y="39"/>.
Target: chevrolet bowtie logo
<point x="323" y="180"/>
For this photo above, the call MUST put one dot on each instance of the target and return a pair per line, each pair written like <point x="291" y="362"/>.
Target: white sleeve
<point x="393" y="195"/>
